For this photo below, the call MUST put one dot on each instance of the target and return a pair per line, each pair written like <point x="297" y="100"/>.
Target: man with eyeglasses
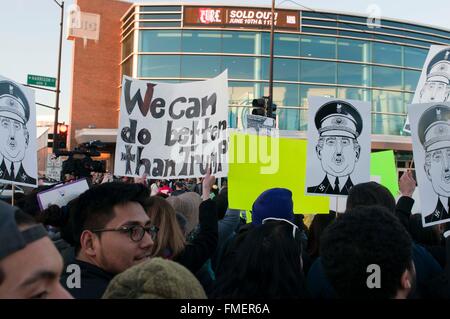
<point x="112" y="232"/>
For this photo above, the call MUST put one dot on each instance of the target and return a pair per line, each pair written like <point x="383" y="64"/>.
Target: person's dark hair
<point x="55" y="216"/>
<point x="369" y="194"/>
<point x="162" y="195"/>
<point x="318" y="225"/>
<point x="24" y="219"/>
<point x="179" y="184"/>
<point x="29" y="203"/>
<point x="428" y="236"/>
<point x="95" y="207"/>
<point x="267" y="265"/>
<point x="365" y="236"/>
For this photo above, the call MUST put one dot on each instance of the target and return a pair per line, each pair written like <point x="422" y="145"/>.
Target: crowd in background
<point x="141" y="238"/>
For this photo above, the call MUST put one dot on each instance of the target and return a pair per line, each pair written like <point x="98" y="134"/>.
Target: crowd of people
<point x="134" y="238"/>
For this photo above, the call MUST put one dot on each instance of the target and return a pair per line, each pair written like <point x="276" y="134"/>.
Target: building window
<point x="318" y="47"/>
<point x="159" y="66"/>
<point x="160" y="41"/>
<point x="283" y="69"/>
<point x="162" y="24"/>
<point x="319" y="30"/>
<point x="414" y="57"/>
<point x="384" y="53"/>
<point x="288" y="119"/>
<point x="242" y="67"/>
<point x="285" y="44"/>
<point x="389" y="78"/>
<point x="176" y="16"/>
<point x="318" y="71"/>
<point x="127" y="45"/>
<point x="200" y="66"/>
<point x="127" y="67"/>
<point x="388" y="102"/>
<point x="354" y="50"/>
<point x="315" y="90"/>
<point x="202" y="41"/>
<point x="355" y="94"/>
<point x="160" y="8"/>
<point x="353" y="74"/>
<point x="241" y="42"/>
<point x="243" y="93"/>
<point x="411" y="78"/>
<point x="388" y="124"/>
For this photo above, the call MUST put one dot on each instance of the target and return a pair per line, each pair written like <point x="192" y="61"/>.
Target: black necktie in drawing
<point x="12" y="171"/>
<point x="336" y="186"/>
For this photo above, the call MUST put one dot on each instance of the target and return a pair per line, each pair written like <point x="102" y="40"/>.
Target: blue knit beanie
<point x="274" y="202"/>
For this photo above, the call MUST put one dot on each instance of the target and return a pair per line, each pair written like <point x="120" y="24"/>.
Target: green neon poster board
<point x="382" y="165"/>
<point x="258" y="163"/>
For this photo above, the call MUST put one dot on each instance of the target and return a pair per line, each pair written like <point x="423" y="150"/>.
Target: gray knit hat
<point x="157" y="278"/>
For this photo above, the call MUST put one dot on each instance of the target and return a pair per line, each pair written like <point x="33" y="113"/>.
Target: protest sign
<point x="18" y="154"/>
<point x="54" y="167"/>
<point x="171" y="131"/>
<point x="383" y="170"/>
<point x="430" y="131"/>
<point x="61" y="195"/>
<point x="258" y="163"/>
<point x="338" y="146"/>
<point x="434" y="81"/>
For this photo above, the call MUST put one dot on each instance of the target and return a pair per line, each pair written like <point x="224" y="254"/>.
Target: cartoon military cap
<point x="439" y="66"/>
<point x="13" y="103"/>
<point x="338" y="118"/>
<point x="434" y="128"/>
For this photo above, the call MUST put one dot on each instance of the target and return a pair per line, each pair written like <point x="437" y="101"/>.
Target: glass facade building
<point x="335" y="55"/>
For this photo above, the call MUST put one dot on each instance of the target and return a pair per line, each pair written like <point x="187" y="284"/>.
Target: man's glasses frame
<point x="136" y="232"/>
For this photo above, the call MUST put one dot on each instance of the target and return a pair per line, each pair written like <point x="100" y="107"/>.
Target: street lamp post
<point x="272" y="27"/>
<point x="58" y="78"/>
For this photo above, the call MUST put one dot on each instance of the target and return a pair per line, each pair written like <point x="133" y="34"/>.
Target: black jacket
<point x="403" y="210"/>
<point x="326" y="188"/>
<point x="21" y="176"/>
<point x="197" y="252"/>
<point x="94" y="281"/>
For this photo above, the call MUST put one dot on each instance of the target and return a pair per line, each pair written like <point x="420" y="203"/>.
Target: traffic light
<point x="60" y="138"/>
<point x="259" y="106"/>
<point x="271" y="112"/>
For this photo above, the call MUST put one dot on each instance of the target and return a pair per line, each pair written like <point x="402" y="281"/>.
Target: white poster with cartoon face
<point x="434" y="81"/>
<point x="338" y="145"/>
<point x="18" y="154"/>
<point x="430" y="131"/>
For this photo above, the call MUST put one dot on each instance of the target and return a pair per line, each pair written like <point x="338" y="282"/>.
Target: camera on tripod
<point x="80" y="163"/>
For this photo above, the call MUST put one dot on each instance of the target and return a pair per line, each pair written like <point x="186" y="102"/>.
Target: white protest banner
<point x="434" y="81"/>
<point x="18" y="154"/>
<point x="54" y="167"/>
<point x="61" y="195"/>
<point x="430" y="131"/>
<point x="338" y="145"/>
<point x="171" y="131"/>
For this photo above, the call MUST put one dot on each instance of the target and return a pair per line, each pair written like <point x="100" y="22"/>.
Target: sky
<point x="29" y="34"/>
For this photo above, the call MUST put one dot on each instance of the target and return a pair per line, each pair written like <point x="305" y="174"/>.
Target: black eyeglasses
<point x="136" y="232"/>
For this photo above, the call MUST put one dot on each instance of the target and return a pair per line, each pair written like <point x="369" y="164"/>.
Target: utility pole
<point x="272" y="27"/>
<point x="58" y="78"/>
